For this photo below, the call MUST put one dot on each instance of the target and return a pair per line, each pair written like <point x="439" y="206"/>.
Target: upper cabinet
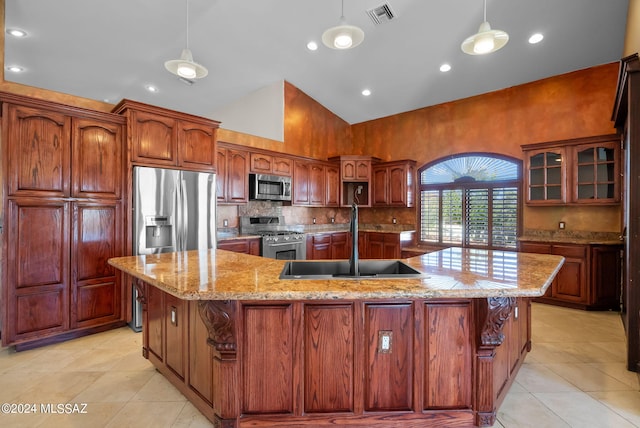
<point x="263" y="163"/>
<point x="232" y="185"/>
<point x="394" y="184"/>
<point x="315" y="183"/>
<point x="577" y="171"/>
<point x="158" y="136"/>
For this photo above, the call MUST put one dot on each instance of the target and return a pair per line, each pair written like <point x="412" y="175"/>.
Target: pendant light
<point x="185" y="67"/>
<point x="343" y="36"/>
<point x="485" y="40"/>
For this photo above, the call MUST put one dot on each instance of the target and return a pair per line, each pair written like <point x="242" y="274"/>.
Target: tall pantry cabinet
<point x="62" y="214"/>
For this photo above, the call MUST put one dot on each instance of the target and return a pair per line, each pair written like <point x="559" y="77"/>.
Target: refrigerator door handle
<point x="184" y="209"/>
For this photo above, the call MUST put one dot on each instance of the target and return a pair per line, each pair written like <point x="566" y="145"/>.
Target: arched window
<point x="471" y="200"/>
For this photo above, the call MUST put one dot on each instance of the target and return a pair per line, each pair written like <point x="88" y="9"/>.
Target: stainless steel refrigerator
<point x="173" y="210"/>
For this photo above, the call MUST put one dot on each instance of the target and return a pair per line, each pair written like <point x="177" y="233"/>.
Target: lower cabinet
<point x="590" y="277"/>
<point x="241" y="245"/>
<point x="379" y="245"/>
<point x="175" y="341"/>
<point x="328" y="246"/>
<point x="58" y="282"/>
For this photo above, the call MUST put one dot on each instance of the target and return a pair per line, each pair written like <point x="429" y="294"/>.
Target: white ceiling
<point x="109" y="49"/>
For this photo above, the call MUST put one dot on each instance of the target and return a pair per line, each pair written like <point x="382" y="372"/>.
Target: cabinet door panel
<point x="389" y="376"/>
<point x="237" y="176"/>
<point x="268" y="359"/>
<point x="282" y="166"/>
<point x="570" y="281"/>
<point x="39" y="243"/>
<point x="328" y="357"/>
<point x="221" y="176"/>
<point x="95" y="284"/>
<point x="200" y="355"/>
<point x="448" y="350"/>
<point x="261" y="164"/>
<point x="332" y="191"/>
<point x="316" y="185"/>
<point x="38" y="147"/>
<point x="42" y="310"/>
<point x="154" y="138"/>
<point x="97" y="159"/>
<point x="197" y="146"/>
<point x="301" y="174"/>
<point x="398" y="186"/>
<point x="155" y="325"/>
<point x="175" y="336"/>
<point x="380" y="186"/>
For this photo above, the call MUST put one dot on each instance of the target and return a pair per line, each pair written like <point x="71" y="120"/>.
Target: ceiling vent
<point x="381" y="14"/>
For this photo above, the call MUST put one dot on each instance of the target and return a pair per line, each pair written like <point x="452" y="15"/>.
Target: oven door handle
<point x="280" y="244"/>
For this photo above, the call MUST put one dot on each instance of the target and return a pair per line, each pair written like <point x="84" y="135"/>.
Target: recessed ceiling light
<point x="312" y="46"/>
<point x="445" y="67"/>
<point x="366" y="92"/>
<point x="16" y="32"/>
<point x="14" y="69"/>
<point x="536" y="38"/>
<point x="151" y="88"/>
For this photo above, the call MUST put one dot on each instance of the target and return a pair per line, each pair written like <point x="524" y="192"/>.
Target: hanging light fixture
<point x="485" y="40"/>
<point x="343" y="36"/>
<point x="185" y="67"/>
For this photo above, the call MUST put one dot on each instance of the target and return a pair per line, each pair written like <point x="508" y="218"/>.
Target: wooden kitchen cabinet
<point x="589" y="278"/>
<point x="64" y="220"/>
<point x="577" y="171"/>
<point x="380" y="245"/>
<point x="262" y="163"/>
<point x="332" y="186"/>
<point x="162" y="137"/>
<point x="314" y="183"/>
<point x="393" y="184"/>
<point x="241" y="245"/>
<point x="328" y="246"/>
<point x="232" y="177"/>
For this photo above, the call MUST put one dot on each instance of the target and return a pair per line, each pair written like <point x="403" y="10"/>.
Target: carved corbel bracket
<point x="220" y="318"/>
<point x="498" y="311"/>
<point x="140" y="296"/>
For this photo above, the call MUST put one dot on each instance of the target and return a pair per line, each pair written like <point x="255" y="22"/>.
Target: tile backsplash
<point x="295" y="215"/>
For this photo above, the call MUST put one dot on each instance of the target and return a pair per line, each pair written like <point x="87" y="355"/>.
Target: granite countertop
<point x="452" y="273"/>
<point x="572" y="237"/>
<point x="314" y="229"/>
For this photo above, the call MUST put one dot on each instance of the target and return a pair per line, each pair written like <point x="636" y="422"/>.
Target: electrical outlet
<point x="225" y="223"/>
<point x="385" y="341"/>
<point x="394" y="221"/>
<point x="333" y="220"/>
<point x="314" y="220"/>
<point x="561" y="225"/>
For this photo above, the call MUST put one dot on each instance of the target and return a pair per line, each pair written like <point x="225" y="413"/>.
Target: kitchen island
<point x="250" y="349"/>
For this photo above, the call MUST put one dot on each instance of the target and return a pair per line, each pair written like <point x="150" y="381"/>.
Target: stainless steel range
<point x="279" y="241"/>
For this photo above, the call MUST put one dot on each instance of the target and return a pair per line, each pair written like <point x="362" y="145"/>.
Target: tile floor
<point x="575" y="376"/>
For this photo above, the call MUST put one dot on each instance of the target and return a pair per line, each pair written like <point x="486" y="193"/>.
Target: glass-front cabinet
<point x="546" y="176"/>
<point x="596" y="173"/>
<point x="578" y="171"/>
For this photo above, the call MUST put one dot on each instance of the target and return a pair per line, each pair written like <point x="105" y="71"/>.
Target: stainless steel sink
<point x="339" y="269"/>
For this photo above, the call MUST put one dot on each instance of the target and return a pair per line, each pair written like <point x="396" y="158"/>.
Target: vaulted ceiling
<point x="109" y="50"/>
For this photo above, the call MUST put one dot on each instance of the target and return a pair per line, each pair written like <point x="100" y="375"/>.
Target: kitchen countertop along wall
<point x="572" y="237"/>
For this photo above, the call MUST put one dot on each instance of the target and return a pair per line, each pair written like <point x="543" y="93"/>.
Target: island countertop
<point x="450" y="273"/>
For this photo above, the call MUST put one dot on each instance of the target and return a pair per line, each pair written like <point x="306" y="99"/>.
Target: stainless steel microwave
<point x="263" y="187"/>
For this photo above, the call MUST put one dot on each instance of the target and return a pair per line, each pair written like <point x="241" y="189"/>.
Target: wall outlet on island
<point x="314" y="220"/>
<point x="561" y="225"/>
<point x="394" y="221"/>
<point x="225" y="223"/>
<point x="333" y="220"/>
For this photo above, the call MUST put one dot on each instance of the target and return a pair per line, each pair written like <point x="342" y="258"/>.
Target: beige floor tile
<point x="97" y="415"/>
<point x="619" y="372"/>
<point x="580" y="410"/>
<point x="190" y="417"/>
<point x="587" y="377"/>
<point x="115" y="386"/>
<point x="539" y="378"/>
<point x="523" y="410"/>
<point x="552" y="352"/>
<point x="15" y="384"/>
<point x="157" y="389"/>
<point x="59" y="387"/>
<point x="624" y="403"/>
<point x="147" y="414"/>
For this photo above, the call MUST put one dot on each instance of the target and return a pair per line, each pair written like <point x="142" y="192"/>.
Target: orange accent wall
<point x="572" y="105"/>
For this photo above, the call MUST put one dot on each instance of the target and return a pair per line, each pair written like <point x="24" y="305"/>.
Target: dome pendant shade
<point x="485" y="40"/>
<point x="186" y="67"/>
<point x="343" y="37"/>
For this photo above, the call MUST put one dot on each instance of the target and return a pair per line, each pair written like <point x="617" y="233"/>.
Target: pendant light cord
<point x="485" y="10"/>
<point x="342" y="11"/>
<point x="187" y="1"/>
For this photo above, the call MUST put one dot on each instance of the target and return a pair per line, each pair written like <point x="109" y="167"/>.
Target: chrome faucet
<point x="354" y="269"/>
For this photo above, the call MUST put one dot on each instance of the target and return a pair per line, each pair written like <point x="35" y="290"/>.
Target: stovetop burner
<point x="278" y="232"/>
